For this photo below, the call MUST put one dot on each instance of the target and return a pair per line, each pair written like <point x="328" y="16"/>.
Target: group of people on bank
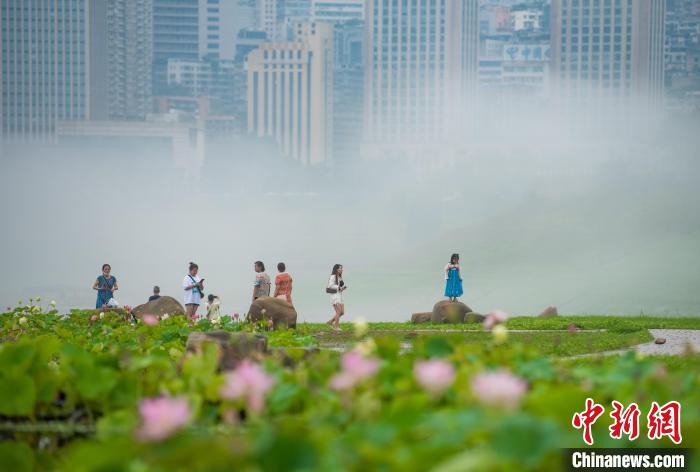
<point x="193" y="287"/>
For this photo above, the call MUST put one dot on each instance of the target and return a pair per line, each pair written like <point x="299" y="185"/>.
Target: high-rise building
<point x="422" y="69"/>
<point x="44" y="62"/>
<point x="348" y="90"/>
<point x="219" y="24"/>
<point x="120" y="58"/>
<point x="290" y="93"/>
<point x="338" y="10"/>
<point x="608" y="54"/>
<point x="268" y="15"/>
<point x="299" y="9"/>
<point x="175" y="36"/>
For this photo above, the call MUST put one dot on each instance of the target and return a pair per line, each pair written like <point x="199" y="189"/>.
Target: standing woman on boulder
<point x="453" y="279"/>
<point x="105" y="285"/>
<point x="193" y="287"/>
<point x="283" y="284"/>
<point x="336" y="287"/>
<point x="261" y="286"/>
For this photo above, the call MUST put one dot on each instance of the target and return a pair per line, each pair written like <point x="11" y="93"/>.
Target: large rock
<point x="421" y="317"/>
<point x="472" y="317"/>
<point x="159" y="307"/>
<point x="234" y="347"/>
<point x="449" y="312"/>
<point x="282" y="314"/>
<point x="549" y="312"/>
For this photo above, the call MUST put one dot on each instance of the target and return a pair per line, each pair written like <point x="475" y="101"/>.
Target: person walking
<point x="283" y="284"/>
<point x="336" y="286"/>
<point x="106" y="285"/>
<point x="261" y="286"/>
<point x="194" y="291"/>
<point x="453" y="279"/>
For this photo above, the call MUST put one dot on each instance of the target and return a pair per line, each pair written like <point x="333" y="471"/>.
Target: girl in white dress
<point x="335" y="288"/>
<point x="193" y="287"/>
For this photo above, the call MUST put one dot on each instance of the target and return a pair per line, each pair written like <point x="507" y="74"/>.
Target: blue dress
<point x="453" y="285"/>
<point x="104" y="290"/>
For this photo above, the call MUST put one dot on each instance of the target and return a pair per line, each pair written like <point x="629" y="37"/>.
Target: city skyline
<point x="120" y="60"/>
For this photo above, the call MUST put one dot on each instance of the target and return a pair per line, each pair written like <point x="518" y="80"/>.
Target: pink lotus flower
<point x="248" y="381"/>
<point x="150" y="320"/>
<point x="355" y="369"/>
<point x="93" y="317"/>
<point x="435" y="376"/>
<point x="498" y="388"/>
<point x="162" y="416"/>
<point x="494" y="318"/>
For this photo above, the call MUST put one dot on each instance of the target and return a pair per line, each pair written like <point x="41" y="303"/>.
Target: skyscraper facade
<point x="44" y="63"/>
<point x="175" y="36"/>
<point x="422" y="68"/>
<point x="120" y="58"/>
<point x="290" y="93"/>
<point x="608" y="53"/>
<point x="338" y="10"/>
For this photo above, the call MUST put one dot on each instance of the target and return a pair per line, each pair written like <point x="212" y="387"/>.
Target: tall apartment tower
<point x="268" y="14"/>
<point x="175" y="36"/>
<point x="608" y="54"/>
<point x="338" y="10"/>
<point x="120" y="58"/>
<point x="290" y="93"/>
<point x="44" y="62"/>
<point x="421" y="69"/>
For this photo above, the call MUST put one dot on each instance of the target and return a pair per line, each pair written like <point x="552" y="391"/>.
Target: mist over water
<point x="544" y="211"/>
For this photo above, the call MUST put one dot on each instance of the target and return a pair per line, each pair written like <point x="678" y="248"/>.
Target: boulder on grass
<point x="159" y="307"/>
<point x="449" y="312"/>
<point x="282" y="314"/>
<point x="233" y="347"/>
<point x="423" y="317"/>
<point x="549" y="312"/>
<point x="472" y="317"/>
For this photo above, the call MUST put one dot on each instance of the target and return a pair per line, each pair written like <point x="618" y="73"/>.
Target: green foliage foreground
<point x="70" y="390"/>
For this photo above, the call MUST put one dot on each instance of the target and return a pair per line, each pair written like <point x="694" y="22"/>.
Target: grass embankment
<point x="587" y="322"/>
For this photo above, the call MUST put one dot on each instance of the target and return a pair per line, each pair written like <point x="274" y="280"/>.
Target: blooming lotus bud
<point x="361" y="327"/>
<point x="500" y="334"/>
<point x="23" y="320"/>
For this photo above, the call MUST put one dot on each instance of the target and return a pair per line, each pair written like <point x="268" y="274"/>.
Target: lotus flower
<point x="165" y="316"/>
<point x="434" y="376"/>
<point x="498" y="388"/>
<point x="494" y="318"/>
<point x="161" y="417"/>
<point x="500" y="334"/>
<point x="93" y="318"/>
<point x="23" y="320"/>
<point x="53" y="303"/>
<point x="361" y="327"/>
<point x="150" y="320"/>
<point x="248" y="381"/>
<point x="102" y="315"/>
<point x="355" y="369"/>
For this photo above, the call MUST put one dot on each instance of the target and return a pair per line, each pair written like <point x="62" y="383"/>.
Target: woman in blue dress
<point x="453" y="279"/>
<point x="105" y="285"/>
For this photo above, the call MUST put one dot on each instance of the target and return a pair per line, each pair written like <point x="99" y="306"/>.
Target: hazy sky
<point x="592" y="219"/>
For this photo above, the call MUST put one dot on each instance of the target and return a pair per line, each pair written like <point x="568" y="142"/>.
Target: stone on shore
<point x="423" y="317"/>
<point x="233" y="347"/>
<point x="472" y="317"/>
<point x="282" y="314"/>
<point x="449" y="312"/>
<point x="549" y="312"/>
<point x="159" y="307"/>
